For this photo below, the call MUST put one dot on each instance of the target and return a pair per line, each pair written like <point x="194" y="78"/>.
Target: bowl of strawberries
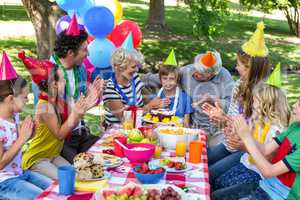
<point x="146" y="175"/>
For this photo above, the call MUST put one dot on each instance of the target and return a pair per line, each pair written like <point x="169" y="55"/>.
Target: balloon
<point x="121" y="31"/>
<point x="70" y="4"/>
<point x="104" y="73"/>
<point x="99" y="21"/>
<point x="100" y="52"/>
<point x="90" y="38"/>
<point x="63" y="23"/>
<point x="114" y="6"/>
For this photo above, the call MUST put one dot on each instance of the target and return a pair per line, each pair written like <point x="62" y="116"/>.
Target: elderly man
<point x="204" y="81"/>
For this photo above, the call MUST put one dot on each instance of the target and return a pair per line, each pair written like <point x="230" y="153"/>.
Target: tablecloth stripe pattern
<point x="196" y="180"/>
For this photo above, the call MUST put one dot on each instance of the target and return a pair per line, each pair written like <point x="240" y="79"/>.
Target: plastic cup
<point x="118" y="150"/>
<point x="195" y="151"/>
<point x="180" y="148"/>
<point x="66" y="179"/>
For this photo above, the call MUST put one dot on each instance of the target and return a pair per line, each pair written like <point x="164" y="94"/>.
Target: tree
<point x="290" y="8"/>
<point x="208" y="17"/>
<point x="43" y="15"/>
<point x="156" y="18"/>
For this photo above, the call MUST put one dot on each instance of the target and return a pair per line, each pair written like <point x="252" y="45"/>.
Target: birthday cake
<point x="161" y="115"/>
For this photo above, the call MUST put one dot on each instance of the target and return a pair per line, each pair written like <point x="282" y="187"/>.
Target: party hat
<point x="7" y="71"/>
<point x="171" y="60"/>
<point x="208" y="59"/>
<point x="128" y="42"/>
<point x="73" y="29"/>
<point x="256" y="47"/>
<point x="275" y="78"/>
<point x="39" y="69"/>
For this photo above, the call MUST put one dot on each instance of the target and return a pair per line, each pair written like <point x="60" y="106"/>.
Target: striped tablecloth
<point x="195" y="180"/>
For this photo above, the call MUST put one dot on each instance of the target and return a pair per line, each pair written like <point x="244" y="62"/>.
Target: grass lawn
<point x="156" y="46"/>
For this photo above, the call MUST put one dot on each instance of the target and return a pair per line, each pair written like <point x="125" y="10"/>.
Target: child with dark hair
<point x="14" y="183"/>
<point x="54" y="123"/>
<point x="175" y="99"/>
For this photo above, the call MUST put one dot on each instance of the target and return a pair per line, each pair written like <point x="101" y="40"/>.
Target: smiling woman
<point x="124" y="88"/>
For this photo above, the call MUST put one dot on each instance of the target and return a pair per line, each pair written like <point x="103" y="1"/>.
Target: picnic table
<point x="196" y="180"/>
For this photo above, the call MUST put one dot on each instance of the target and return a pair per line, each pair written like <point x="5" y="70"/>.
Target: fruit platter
<point x="162" y="117"/>
<point x="146" y="136"/>
<point x="171" y="165"/>
<point x="133" y="191"/>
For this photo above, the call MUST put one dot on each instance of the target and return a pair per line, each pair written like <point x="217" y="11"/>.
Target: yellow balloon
<point x="114" y="6"/>
<point x="118" y="12"/>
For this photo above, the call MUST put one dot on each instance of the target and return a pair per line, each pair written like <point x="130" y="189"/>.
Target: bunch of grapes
<point x="153" y="194"/>
<point x="169" y="194"/>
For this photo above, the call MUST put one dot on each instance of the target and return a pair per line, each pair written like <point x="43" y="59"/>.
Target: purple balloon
<point x="63" y="23"/>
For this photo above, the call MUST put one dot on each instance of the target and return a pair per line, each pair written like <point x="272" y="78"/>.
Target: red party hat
<point x="39" y="69"/>
<point x="73" y="29"/>
<point x="7" y="71"/>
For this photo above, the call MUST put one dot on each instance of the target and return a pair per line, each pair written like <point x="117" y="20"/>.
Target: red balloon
<point x="90" y="38"/>
<point x="120" y="32"/>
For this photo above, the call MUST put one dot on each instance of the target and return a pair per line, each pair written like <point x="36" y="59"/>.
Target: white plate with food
<point x="107" y="160"/>
<point x="172" y="166"/>
<point x="144" y="192"/>
<point x="106" y="175"/>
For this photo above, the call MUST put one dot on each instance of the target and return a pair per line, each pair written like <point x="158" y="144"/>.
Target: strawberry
<point x="137" y="191"/>
<point x="128" y="191"/>
<point x="171" y="164"/>
<point x="144" y="167"/>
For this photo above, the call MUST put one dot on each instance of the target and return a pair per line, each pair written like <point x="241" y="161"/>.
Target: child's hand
<point x="26" y="129"/>
<point x="241" y="127"/>
<point x="159" y="103"/>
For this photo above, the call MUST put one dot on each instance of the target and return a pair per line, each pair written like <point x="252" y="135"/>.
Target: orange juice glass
<point x="180" y="148"/>
<point x="157" y="152"/>
<point x="195" y="151"/>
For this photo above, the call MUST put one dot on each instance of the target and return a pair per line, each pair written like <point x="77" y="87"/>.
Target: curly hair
<point x="272" y="106"/>
<point x="64" y="43"/>
<point x="259" y="70"/>
<point x="121" y="58"/>
<point x="12" y="87"/>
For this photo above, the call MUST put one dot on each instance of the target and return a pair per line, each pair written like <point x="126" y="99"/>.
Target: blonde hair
<point x="121" y="58"/>
<point x="272" y="106"/>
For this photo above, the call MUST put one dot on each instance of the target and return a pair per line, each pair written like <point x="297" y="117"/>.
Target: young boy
<point x="282" y="175"/>
<point x="177" y="100"/>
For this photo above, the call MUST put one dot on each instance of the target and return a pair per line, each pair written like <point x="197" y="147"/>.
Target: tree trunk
<point x="293" y="18"/>
<point x="43" y="15"/>
<point x="156" y="19"/>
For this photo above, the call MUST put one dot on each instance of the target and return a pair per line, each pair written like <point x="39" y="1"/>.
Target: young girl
<point x="14" y="183"/>
<point x="281" y="175"/>
<point x="176" y="99"/>
<point x="253" y="67"/>
<point x="270" y="115"/>
<point x="53" y="126"/>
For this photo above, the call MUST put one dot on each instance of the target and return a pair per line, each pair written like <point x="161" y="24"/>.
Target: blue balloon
<point x="104" y="73"/>
<point x="70" y="4"/>
<point x="99" y="21"/>
<point x="100" y="52"/>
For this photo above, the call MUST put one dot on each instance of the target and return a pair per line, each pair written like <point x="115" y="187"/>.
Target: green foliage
<point x="208" y="17"/>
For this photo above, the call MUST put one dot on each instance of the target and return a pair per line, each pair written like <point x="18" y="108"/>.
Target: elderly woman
<point x="204" y="81"/>
<point x="125" y="87"/>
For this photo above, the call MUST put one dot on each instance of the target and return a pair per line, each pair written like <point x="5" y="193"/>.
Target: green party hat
<point x="275" y="78"/>
<point x="171" y="60"/>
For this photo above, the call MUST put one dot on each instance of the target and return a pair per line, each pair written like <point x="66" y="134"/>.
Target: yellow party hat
<point x="275" y="78"/>
<point x="256" y="47"/>
<point x="171" y="60"/>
